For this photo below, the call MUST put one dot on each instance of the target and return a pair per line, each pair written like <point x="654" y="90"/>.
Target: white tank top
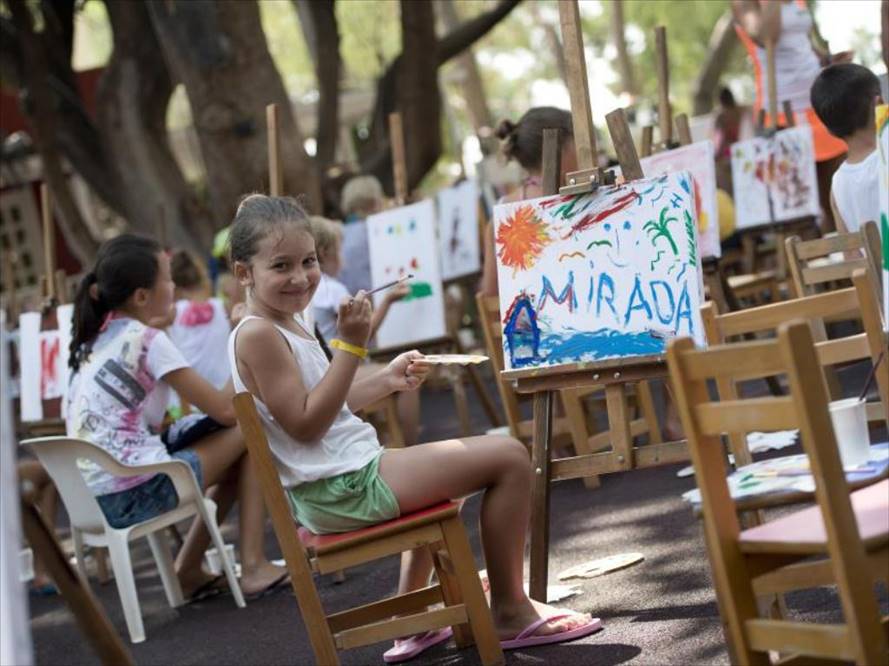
<point x="348" y="445"/>
<point x="796" y="65"/>
<point x="856" y="191"/>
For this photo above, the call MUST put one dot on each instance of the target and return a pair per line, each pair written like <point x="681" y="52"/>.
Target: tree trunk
<point x="39" y="103"/>
<point x="219" y="52"/>
<point x="473" y="89"/>
<point x="722" y="42"/>
<point x="131" y="105"/>
<point x="422" y="133"/>
<point x="321" y="32"/>
<point x="624" y="63"/>
<point x="553" y="42"/>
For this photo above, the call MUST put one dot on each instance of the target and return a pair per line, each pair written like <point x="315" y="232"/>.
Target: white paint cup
<point x="849" y="418"/>
<point x="213" y="561"/>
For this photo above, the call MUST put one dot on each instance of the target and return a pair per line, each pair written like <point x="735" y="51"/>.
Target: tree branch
<point x="473" y="30"/>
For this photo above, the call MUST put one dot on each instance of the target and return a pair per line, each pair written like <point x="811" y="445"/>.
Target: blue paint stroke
<point x="682" y="272"/>
<point x="604" y="343"/>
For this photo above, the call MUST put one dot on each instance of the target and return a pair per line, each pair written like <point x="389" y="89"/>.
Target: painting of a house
<point x="521" y="335"/>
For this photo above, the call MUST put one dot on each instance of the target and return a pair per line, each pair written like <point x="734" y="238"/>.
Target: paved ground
<point x="661" y="611"/>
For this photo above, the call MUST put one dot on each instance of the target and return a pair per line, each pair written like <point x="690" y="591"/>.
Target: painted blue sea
<point x="597" y="345"/>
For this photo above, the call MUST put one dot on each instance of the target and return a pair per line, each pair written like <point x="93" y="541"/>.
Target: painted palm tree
<point x="660" y="229"/>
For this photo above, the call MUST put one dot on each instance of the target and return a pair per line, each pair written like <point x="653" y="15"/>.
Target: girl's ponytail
<point x="89" y="313"/>
<point x="123" y="265"/>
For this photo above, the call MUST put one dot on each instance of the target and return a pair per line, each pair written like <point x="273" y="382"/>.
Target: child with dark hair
<point x="523" y="142"/>
<point x="122" y="372"/>
<point x="844" y="97"/>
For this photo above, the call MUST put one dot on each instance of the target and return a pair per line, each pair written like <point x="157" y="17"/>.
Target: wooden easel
<point x="450" y="342"/>
<point x="614" y="374"/>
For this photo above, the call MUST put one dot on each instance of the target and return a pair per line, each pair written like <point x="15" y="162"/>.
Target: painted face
<point x="160" y="296"/>
<point x="284" y="273"/>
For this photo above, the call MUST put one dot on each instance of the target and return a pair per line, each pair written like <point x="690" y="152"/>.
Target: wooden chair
<point x="848" y="534"/>
<point x="438" y="527"/>
<point x="810" y="265"/>
<point x="575" y="427"/>
<point x="859" y="301"/>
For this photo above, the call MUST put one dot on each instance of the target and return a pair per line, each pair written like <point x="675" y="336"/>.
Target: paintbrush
<point x="870" y="379"/>
<point x="389" y="285"/>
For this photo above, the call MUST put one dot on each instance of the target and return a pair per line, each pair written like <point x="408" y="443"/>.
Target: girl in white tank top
<point x="336" y="471"/>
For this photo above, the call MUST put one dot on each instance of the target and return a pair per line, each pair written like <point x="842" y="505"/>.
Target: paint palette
<point x="601" y="566"/>
<point x="459" y="359"/>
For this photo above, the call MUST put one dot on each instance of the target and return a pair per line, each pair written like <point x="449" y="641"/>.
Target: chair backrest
<point x="858" y="301"/>
<point x="801" y="254"/>
<point x="792" y="353"/>
<point x="59" y="456"/>
<point x="489" y="313"/>
<point x="282" y="520"/>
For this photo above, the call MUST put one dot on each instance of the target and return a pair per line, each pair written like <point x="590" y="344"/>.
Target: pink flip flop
<point x="411" y="647"/>
<point x="526" y="637"/>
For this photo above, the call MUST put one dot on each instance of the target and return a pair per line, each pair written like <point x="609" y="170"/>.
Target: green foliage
<point x="688" y="23"/>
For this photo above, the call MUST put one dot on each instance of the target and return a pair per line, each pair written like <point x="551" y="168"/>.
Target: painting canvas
<point x="598" y="276"/>
<point x="458" y="230"/>
<point x="697" y="159"/>
<point x="402" y="241"/>
<point x="774" y="178"/>
<point x="883" y="147"/>
<point x="43" y="361"/>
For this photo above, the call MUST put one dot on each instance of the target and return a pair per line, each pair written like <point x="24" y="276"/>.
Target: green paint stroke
<point x="884" y="225"/>
<point x="601" y="242"/>
<point x="692" y="239"/>
<point x="661" y="229"/>
<point x="419" y="290"/>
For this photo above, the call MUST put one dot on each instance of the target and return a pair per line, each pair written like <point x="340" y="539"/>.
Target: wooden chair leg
<point x="646" y="406"/>
<point x="580" y="435"/>
<point x="450" y="591"/>
<point x="89" y="615"/>
<point x="486" y="640"/>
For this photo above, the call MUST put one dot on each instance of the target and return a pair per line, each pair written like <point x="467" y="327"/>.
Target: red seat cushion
<point x="804" y="531"/>
<point x="321" y="543"/>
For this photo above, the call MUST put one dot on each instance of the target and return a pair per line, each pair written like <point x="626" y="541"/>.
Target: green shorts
<point x="344" y="503"/>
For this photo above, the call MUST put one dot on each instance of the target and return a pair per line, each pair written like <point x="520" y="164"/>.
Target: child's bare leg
<point x="424" y="475"/>
<point x="416" y="570"/>
<point x="257" y="573"/>
<point x="408" y="403"/>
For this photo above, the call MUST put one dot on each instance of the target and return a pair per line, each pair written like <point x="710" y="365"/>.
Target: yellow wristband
<point x="360" y="352"/>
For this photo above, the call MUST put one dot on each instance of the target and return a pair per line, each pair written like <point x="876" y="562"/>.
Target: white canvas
<point x="774" y="178"/>
<point x="30" y="404"/>
<point x="458" y="233"/>
<point x="696" y="158"/>
<point x="599" y="276"/>
<point x="402" y="241"/>
<point x="883" y="146"/>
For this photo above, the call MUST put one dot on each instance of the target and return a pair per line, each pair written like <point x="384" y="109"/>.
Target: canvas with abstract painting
<point x="774" y="178"/>
<point x="882" y="112"/>
<point x="402" y="241"/>
<point x="611" y="274"/>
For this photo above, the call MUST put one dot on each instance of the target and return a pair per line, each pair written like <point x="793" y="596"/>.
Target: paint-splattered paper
<point x="697" y="159"/>
<point x="883" y="146"/>
<point x="458" y="235"/>
<point x="403" y="241"/>
<point x="774" y="178"/>
<point x="43" y="361"/>
<point x="598" y="276"/>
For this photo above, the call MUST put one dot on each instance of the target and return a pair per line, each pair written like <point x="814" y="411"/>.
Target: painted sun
<point x="521" y="238"/>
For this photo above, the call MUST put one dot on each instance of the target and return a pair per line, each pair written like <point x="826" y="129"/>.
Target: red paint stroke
<point x="590" y="220"/>
<point x="49" y="354"/>
<point x="566" y="255"/>
<point x="197" y="314"/>
<point x="549" y="203"/>
<point x="414" y="263"/>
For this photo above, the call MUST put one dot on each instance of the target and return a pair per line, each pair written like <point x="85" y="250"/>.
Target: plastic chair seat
<point x="323" y="544"/>
<point x="803" y="532"/>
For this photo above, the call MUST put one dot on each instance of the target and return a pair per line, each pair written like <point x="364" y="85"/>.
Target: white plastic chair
<point x="59" y="456"/>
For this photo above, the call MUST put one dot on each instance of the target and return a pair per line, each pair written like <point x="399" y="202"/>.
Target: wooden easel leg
<point x="580" y="434"/>
<point x="487" y="403"/>
<point x="455" y="378"/>
<point x="540" y="457"/>
<point x="646" y="406"/>
<point x="619" y="424"/>
<point x="89" y="615"/>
